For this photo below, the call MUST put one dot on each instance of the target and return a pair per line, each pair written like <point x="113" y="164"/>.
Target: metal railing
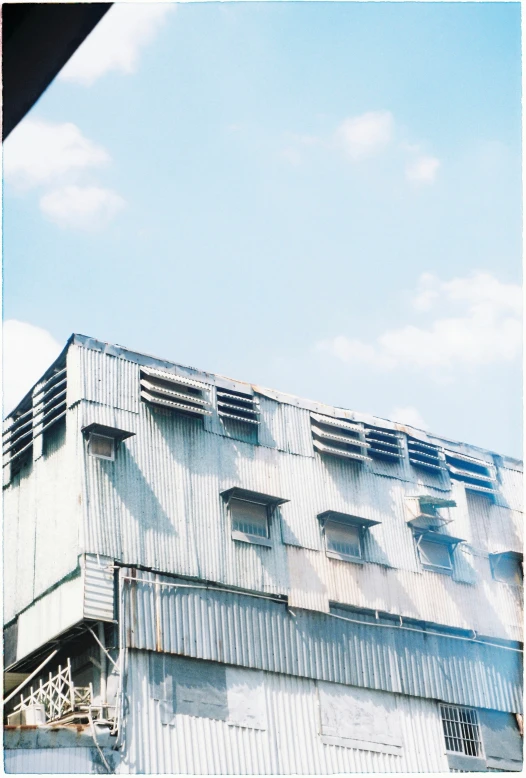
<point x="59" y="695"/>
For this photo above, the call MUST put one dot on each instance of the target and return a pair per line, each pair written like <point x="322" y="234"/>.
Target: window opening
<point x="506" y="567"/>
<point x="237" y="406"/>
<point x="383" y="444"/>
<point x="250" y="518"/>
<point x="461" y="730"/>
<point x="101" y="446"/>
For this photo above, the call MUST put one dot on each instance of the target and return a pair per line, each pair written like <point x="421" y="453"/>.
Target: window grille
<point x="477" y="475"/>
<point x="249" y="518"/>
<point x="238" y="406"/>
<point x="178" y="393"/>
<point x="383" y="444"/>
<point x="461" y="730"/>
<point x="344" y="539"/>
<point x="339" y="438"/>
<point x="425" y="455"/>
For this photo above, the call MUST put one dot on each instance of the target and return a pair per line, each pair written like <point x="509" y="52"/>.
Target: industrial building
<point x="206" y="576"/>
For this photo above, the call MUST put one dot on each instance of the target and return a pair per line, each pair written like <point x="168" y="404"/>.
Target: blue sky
<point x="323" y="198"/>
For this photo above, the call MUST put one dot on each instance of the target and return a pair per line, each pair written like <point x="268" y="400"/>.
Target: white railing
<point x="59" y="696"/>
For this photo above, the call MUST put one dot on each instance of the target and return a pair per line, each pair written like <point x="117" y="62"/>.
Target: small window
<point x="344" y="540"/>
<point x="461" y="730"/>
<point x="249" y="520"/>
<point x="507" y="568"/>
<point x="435" y="556"/>
<point x="101" y="446"/>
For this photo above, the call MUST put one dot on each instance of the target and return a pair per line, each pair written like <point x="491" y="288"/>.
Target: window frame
<point x="496" y="558"/>
<point x="463" y="740"/>
<point x="430" y="536"/>
<point x="91" y="453"/>
<point x="103" y="431"/>
<point x="245" y="495"/>
<point x="346" y="520"/>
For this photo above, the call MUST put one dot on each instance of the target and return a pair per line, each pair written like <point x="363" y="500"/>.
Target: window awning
<point x="437" y="537"/>
<point x="436" y="502"/>
<point x="346" y="518"/>
<point x="109" y="432"/>
<point x="246" y="494"/>
<point x="517" y="556"/>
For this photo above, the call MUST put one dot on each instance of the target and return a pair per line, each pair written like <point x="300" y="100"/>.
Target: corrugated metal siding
<point x="98" y="588"/>
<point x="511" y="488"/>
<point x="54" y="761"/>
<point x="251" y="632"/>
<point x="109" y="380"/>
<point x="290" y="743"/>
<point x="49" y="616"/>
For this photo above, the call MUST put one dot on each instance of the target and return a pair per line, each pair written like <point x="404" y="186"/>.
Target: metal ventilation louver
<point x="338" y="437"/>
<point x="237" y="406"/>
<point x="477" y="475"/>
<point x="42" y="411"/>
<point x="425" y="454"/>
<point x="178" y="393"/>
<point x="383" y="444"/>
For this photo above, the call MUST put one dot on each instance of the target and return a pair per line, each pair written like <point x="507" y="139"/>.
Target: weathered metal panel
<point x="99" y="586"/>
<point x="261" y="634"/>
<point x="109" y="380"/>
<point x="55" y="761"/>
<point x="289" y="742"/>
<point x="49" y="616"/>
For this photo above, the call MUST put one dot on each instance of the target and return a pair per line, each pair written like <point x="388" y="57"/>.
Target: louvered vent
<point x="338" y="437"/>
<point x="237" y="406"/>
<point x="425" y="455"/>
<point x="477" y="475"/>
<point x="178" y="393"/>
<point x="40" y="413"/>
<point x="383" y="444"/>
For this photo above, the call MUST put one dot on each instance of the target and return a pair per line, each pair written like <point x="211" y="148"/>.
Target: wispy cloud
<point x="422" y="170"/>
<point x="364" y="136"/>
<point x="408" y="415"/>
<point x="57" y="157"/>
<point x="116" y="42"/>
<point x="485" y="330"/>
<point x="40" y="152"/>
<point x="27" y="353"/>
<point x="81" y="207"/>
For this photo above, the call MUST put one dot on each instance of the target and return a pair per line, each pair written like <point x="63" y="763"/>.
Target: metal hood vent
<point x="425" y="455"/>
<point x="384" y="444"/>
<point x="47" y="406"/>
<point x="477" y="475"/>
<point x="238" y="406"/>
<point x="178" y="393"/>
<point x="338" y="438"/>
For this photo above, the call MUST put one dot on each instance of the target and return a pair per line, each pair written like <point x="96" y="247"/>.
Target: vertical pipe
<point x="103" y="667"/>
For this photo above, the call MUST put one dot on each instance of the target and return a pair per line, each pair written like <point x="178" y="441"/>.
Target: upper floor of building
<point x="193" y="474"/>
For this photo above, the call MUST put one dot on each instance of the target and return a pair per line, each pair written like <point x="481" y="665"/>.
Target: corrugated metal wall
<point x="99" y="586"/>
<point x="253" y="632"/>
<point x="159" y="505"/>
<point x="54" y="761"/>
<point x="288" y="743"/>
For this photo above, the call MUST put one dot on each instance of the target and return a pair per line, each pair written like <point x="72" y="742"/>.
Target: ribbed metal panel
<point x="251" y="632"/>
<point x="512" y="488"/>
<point x="109" y="380"/>
<point x="98" y="587"/>
<point x="49" y="616"/>
<point x="289" y="744"/>
<point x="53" y="761"/>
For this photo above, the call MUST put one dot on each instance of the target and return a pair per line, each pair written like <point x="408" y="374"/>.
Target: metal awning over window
<point x="109" y="432"/>
<point x="437" y="537"/>
<point x="246" y="494"/>
<point x="346" y="518"/>
<point x="429" y="512"/>
<point x="179" y="393"/>
<point x="338" y="437"/>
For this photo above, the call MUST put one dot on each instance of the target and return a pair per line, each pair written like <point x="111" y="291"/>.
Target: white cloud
<point x="365" y="135"/>
<point x="27" y="353"/>
<point x="423" y="170"/>
<point x="40" y="152"/>
<point x="81" y="207"/>
<point x="116" y="42"/>
<point x="487" y="329"/>
<point x="408" y="415"/>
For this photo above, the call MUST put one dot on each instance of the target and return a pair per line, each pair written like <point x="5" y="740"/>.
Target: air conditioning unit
<point x="30" y="716"/>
